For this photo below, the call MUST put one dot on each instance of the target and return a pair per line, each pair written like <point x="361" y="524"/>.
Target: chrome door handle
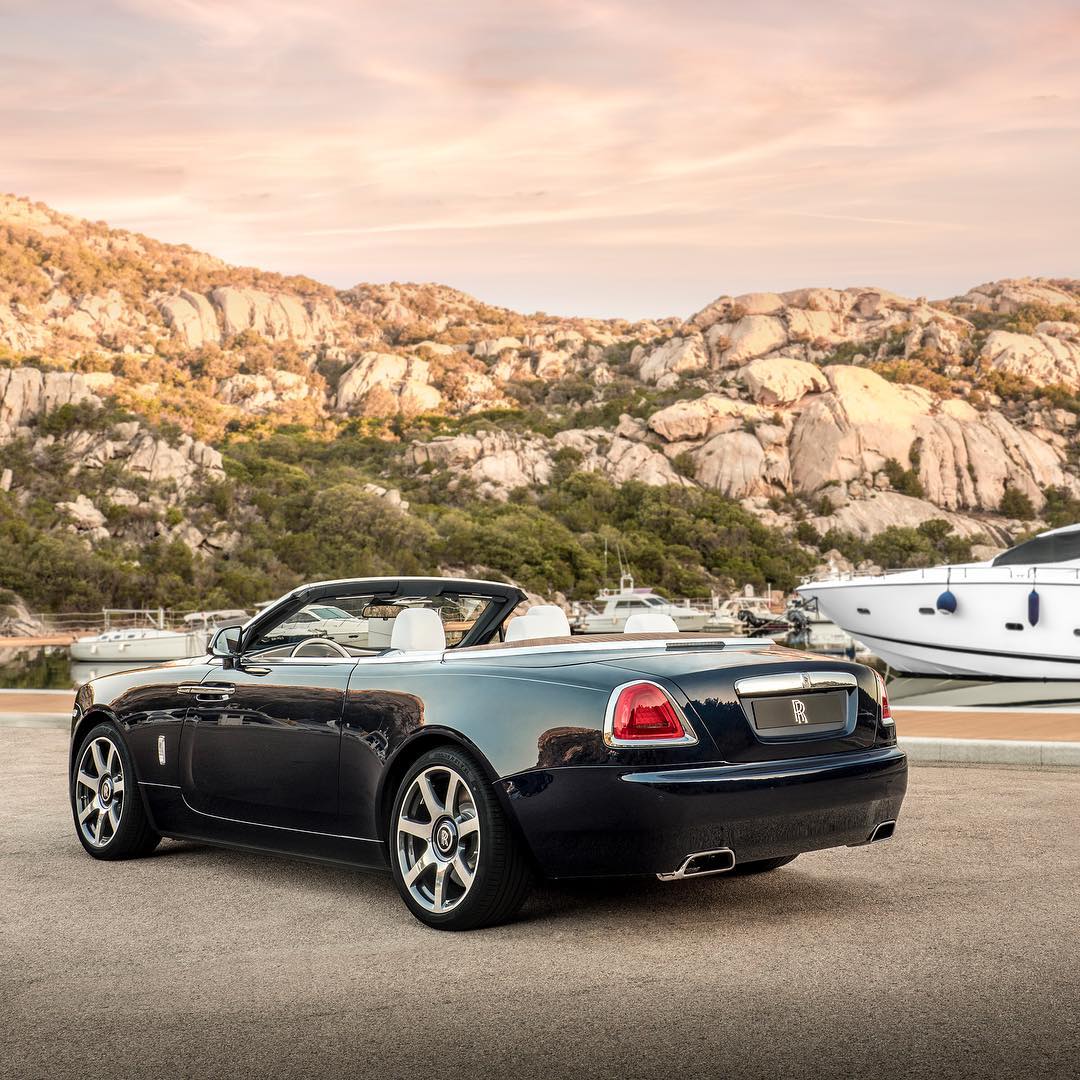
<point x="207" y="693"/>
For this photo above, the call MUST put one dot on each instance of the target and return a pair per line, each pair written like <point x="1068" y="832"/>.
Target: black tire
<point x="501" y="870"/>
<point x="124" y="830"/>
<point x="763" y="866"/>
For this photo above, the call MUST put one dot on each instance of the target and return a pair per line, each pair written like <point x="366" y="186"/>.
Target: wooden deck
<point x="1029" y="725"/>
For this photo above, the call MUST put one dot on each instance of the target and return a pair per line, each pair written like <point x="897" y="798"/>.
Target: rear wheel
<point x="761" y="866"/>
<point x="109" y="817"/>
<point x="454" y="857"/>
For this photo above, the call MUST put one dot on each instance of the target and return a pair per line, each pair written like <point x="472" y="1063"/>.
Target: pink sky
<point x="580" y="157"/>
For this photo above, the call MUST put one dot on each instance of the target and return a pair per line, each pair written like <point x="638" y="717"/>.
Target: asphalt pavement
<point x="951" y="950"/>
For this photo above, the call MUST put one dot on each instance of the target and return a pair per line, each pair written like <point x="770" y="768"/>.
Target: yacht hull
<point x="989" y="634"/>
<point x="178" y="646"/>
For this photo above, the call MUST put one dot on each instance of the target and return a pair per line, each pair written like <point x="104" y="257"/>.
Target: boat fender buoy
<point x="1033" y="607"/>
<point x="947" y="601"/>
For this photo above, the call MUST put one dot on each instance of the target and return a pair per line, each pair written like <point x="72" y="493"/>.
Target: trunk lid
<point x="770" y="704"/>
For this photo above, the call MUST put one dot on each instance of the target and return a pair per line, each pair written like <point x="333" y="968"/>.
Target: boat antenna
<point x="624" y="570"/>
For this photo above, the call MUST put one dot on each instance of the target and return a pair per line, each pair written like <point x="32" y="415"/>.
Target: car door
<point x="261" y="742"/>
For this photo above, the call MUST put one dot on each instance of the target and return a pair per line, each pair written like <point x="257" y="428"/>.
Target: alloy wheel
<point x="99" y="791"/>
<point x="438" y="839"/>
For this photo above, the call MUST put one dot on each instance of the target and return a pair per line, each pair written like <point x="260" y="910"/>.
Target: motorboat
<point x="732" y="616"/>
<point x="613" y="607"/>
<point x="1016" y="616"/>
<point x="154" y="643"/>
<point x="816" y="632"/>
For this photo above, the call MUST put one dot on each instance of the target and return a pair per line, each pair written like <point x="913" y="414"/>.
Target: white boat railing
<point x="1051" y="575"/>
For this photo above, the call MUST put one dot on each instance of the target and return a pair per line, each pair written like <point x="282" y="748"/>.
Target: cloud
<point x="637" y="158"/>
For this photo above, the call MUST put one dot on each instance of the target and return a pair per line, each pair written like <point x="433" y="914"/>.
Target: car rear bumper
<point x="585" y="821"/>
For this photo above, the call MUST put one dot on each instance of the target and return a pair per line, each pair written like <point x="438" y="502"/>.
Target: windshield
<point x="365" y="624"/>
<point x="1055" y="548"/>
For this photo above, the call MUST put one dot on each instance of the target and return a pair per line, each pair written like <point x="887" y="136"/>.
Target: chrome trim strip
<point x="689" y="737"/>
<point x="629" y="648"/>
<point x="793" y="682"/>
<point x="265" y="825"/>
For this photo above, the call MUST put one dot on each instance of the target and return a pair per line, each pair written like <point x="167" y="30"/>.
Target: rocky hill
<point x="144" y="385"/>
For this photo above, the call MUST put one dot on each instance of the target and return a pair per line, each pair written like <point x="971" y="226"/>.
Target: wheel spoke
<point x="422" y="829"/>
<point x="442" y="871"/>
<point x="114" y="817"/>
<point x="462" y="872"/>
<point x="86" y="811"/>
<point x="451" y="793"/>
<point x="97" y="827"/>
<point x="87" y="781"/>
<point x="109" y="758"/>
<point x="99" y="761"/>
<point x="467" y="826"/>
<point x="118" y="786"/>
<point x="431" y="800"/>
<point x="419" y="867"/>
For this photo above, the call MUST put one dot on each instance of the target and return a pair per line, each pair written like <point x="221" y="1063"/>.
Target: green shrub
<point x="906" y="481"/>
<point x="1016" y="504"/>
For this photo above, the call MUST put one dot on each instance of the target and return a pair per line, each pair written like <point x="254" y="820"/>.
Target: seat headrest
<point x="519" y="628"/>
<point x="645" y="622"/>
<point x="542" y="621"/>
<point x="418" y="630"/>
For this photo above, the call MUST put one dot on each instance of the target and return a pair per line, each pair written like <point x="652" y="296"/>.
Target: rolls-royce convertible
<point x="429" y="731"/>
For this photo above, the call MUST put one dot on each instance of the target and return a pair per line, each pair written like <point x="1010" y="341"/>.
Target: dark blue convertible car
<point x="417" y="725"/>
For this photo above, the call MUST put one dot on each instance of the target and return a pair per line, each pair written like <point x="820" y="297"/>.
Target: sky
<point x="586" y="157"/>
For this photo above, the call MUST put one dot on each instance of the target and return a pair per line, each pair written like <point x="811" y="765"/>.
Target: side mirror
<point x="226" y="642"/>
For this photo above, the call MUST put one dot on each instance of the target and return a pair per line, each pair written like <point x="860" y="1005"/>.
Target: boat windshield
<point x="1057" y="547"/>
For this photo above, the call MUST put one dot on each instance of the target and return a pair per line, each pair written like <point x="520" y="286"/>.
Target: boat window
<point x="1055" y="548"/>
<point x="1014" y="626"/>
<point x="363" y="625"/>
<point x="923" y="611"/>
<point x="655" y="601"/>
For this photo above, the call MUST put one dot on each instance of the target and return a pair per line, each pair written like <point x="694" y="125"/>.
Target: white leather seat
<point x="418" y="630"/>
<point x="553" y="620"/>
<point x="519" y="628"/>
<point x="542" y="621"/>
<point x="650" y="622"/>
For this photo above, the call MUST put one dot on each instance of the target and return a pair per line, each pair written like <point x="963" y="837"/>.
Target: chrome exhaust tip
<point x="701" y="864"/>
<point x="882" y="831"/>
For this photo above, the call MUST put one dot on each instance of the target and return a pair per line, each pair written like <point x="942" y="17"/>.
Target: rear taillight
<point x="642" y="714"/>
<point x="886" y="712"/>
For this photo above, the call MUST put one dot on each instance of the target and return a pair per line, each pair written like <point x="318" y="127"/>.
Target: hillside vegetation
<point x="177" y="431"/>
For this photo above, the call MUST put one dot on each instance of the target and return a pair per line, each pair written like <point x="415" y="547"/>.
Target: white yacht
<point x="153" y="643"/>
<point x="1016" y="616"/>
<point x="614" y="606"/>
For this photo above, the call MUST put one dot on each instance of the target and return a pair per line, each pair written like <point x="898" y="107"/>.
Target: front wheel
<point x="454" y="857"/>
<point x="109" y="817"/>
